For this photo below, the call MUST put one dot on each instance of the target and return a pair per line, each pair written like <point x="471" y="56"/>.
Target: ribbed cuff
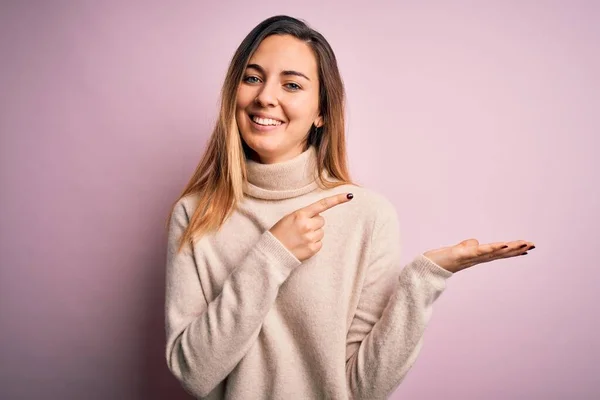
<point x="279" y="257"/>
<point x="426" y="268"/>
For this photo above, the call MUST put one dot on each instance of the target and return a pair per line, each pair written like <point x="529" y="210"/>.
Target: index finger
<point x="327" y="203"/>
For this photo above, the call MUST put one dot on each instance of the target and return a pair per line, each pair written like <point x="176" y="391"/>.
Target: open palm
<point x="469" y="253"/>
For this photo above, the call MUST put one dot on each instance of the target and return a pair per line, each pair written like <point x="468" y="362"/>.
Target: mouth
<point x="265" y="122"/>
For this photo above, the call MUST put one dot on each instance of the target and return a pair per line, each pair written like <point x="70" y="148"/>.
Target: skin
<point x="469" y="253"/>
<point x="282" y="81"/>
<point x="269" y="87"/>
<point x="301" y="232"/>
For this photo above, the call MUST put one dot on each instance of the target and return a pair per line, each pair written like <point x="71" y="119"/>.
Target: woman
<point x="283" y="277"/>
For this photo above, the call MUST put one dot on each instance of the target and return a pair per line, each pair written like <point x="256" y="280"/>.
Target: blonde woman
<point x="283" y="277"/>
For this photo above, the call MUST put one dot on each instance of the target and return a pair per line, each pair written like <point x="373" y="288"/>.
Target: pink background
<point x="476" y="119"/>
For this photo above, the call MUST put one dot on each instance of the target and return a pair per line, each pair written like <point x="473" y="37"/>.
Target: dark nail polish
<point x="504" y="247"/>
<point x="523" y="245"/>
<point x="531" y="248"/>
<point x="524" y="254"/>
<point x="350" y="196"/>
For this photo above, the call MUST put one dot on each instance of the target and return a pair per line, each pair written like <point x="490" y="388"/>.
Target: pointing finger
<point x="327" y="203"/>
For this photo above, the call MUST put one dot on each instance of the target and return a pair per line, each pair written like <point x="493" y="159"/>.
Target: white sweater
<point x="247" y="320"/>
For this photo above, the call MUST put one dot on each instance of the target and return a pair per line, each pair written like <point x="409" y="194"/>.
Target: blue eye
<point x="248" y="79"/>
<point x="293" y="86"/>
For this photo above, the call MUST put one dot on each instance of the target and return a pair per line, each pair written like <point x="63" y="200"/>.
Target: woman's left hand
<point x="469" y="253"/>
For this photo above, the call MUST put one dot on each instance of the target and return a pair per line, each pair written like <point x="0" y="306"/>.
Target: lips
<point x="265" y="120"/>
<point x="264" y="115"/>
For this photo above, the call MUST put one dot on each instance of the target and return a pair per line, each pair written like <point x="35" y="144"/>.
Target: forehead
<point x="284" y="52"/>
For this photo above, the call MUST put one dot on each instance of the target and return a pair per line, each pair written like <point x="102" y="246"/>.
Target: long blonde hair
<point x="219" y="178"/>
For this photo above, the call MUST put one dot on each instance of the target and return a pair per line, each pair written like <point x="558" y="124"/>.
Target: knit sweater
<point x="245" y="319"/>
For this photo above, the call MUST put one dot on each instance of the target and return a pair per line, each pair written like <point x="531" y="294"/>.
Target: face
<point x="278" y="99"/>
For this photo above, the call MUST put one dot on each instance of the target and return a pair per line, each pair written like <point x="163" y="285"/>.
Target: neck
<point x="281" y="180"/>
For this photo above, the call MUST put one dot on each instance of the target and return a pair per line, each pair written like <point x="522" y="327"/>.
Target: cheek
<point x="243" y="98"/>
<point x="305" y="107"/>
<point x="301" y="109"/>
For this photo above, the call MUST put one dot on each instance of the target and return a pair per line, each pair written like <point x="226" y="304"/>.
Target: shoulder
<point x="185" y="207"/>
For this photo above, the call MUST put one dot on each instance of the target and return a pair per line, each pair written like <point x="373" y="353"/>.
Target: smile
<point x="265" y="121"/>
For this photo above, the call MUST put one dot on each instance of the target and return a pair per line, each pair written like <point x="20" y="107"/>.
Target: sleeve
<point x="206" y="340"/>
<point x="386" y="333"/>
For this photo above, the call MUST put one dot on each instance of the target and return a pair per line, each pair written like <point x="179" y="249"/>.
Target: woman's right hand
<point x="301" y="231"/>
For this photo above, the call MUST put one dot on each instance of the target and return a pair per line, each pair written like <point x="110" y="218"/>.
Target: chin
<point x="262" y="145"/>
<point x="267" y="148"/>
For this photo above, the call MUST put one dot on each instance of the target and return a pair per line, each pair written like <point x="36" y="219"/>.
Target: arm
<point x="386" y="333"/>
<point x="206" y="340"/>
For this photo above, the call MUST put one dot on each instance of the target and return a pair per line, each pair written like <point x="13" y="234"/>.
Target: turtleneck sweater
<point x="245" y="319"/>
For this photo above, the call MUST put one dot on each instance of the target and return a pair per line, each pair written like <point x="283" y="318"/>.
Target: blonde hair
<point x="219" y="178"/>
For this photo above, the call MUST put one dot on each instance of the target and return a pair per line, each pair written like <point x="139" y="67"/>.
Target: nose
<point x="267" y="96"/>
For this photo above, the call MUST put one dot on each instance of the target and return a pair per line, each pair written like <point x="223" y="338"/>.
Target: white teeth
<point x="265" y="121"/>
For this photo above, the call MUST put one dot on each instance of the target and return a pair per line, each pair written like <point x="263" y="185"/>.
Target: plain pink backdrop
<point x="477" y="119"/>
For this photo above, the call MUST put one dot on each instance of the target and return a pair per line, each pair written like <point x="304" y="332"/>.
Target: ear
<point x="319" y="121"/>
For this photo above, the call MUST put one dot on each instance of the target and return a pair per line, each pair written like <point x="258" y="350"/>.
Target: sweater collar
<point x="283" y="180"/>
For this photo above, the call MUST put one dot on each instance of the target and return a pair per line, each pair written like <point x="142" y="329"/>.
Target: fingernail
<point x="523" y="245"/>
<point x="531" y="248"/>
<point x="524" y="254"/>
<point x="349" y="196"/>
<point x="504" y="247"/>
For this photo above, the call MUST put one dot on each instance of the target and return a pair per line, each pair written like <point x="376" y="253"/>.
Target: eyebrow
<point x="286" y="72"/>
